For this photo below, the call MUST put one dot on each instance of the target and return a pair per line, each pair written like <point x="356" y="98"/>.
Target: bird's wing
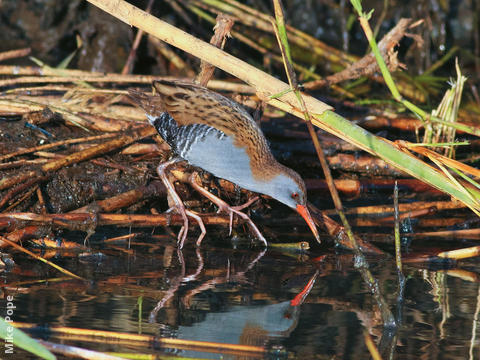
<point x="190" y="103"/>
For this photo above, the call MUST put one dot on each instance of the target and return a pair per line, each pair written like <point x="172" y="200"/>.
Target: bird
<point x="216" y="134"/>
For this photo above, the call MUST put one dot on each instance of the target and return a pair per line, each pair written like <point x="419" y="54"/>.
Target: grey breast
<point x="214" y="151"/>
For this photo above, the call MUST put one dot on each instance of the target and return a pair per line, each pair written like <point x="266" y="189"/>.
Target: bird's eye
<point x="295" y="195"/>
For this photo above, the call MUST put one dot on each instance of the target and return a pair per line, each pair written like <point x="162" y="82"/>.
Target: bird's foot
<point x="178" y="205"/>
<point x="230" y="210"/>
<point x="223" y="207"/>
<point x="182" y="234"/>
<point x="200" y="224"/>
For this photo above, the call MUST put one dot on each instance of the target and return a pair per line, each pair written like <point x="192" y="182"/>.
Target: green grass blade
<point x="22" y="340"/>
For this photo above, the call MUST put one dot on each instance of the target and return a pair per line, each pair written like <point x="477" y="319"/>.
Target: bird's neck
<point x="270" y="168"/>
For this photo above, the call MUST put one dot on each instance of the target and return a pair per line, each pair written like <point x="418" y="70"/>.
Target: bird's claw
<point x="230" y="210"/>
<point x="182" y="234"/>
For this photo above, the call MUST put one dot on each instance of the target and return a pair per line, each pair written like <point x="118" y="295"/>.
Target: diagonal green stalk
<point x="391" y="154"/>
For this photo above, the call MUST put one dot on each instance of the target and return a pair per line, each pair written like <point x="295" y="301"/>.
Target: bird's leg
<point x="224" y="207"/>
<point x="200" y="224"/>
<point x="161" y="170"/>
<point x="178" y="205"/>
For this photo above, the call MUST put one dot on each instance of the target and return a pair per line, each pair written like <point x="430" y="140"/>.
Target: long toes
<point x="247" y="204"/>
<point x="180" y="234"/>
<point x="257" y="232"/>
<point x="200" y="224"/>
<point x="200" y="238"/>
<point x="252" y="226"/>
<point x="223" y="209"/>
<point x="230" y="223"/>
<point x="181" y="239"/>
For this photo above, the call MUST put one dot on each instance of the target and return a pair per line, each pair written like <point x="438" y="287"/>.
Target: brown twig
<point x="459" y="254"/>
<point x="154" y="189"/>
<point x="367" y="65"/>
<point x="12" y="54"/>
<point x="72" y="76"/>
<point x="127" y="68"/>
<point x="354" y="188"/>
<point x="19" y="163"/>
<point x="366" y="164"/>
<point x="21" y="248"/>
<point x="19" y="188"/>
<point x="380" y="209"/>
<point x="450" y="234"/>
<point x="222" y="31"/>
<point x="81" y="220"/>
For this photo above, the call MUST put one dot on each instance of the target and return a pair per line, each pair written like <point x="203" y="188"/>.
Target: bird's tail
<point x="176" y="88"/>
<point x="153" y="105"/>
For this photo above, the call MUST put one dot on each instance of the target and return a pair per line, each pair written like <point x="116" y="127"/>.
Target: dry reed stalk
<point x="148" y="340"/>
<point x="82" y="220"/>
<point x="12" y="54"/>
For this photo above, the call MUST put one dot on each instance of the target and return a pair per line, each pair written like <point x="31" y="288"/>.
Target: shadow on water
<point x="245" y="296"/>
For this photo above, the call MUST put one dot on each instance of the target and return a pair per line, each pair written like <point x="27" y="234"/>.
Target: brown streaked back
<point x="190" y="103"/>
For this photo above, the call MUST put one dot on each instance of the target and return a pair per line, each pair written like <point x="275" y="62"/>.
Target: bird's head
<point x="289" y="188"/>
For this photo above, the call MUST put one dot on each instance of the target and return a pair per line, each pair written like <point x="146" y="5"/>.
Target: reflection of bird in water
<point x="244" y="325"/>
<point x="216" y="134"/>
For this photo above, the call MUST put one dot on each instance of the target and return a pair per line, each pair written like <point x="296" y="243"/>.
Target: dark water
<point x="244" y="297"/>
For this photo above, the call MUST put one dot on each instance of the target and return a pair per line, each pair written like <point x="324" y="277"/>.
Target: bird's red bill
<point x="302" y="210"/>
